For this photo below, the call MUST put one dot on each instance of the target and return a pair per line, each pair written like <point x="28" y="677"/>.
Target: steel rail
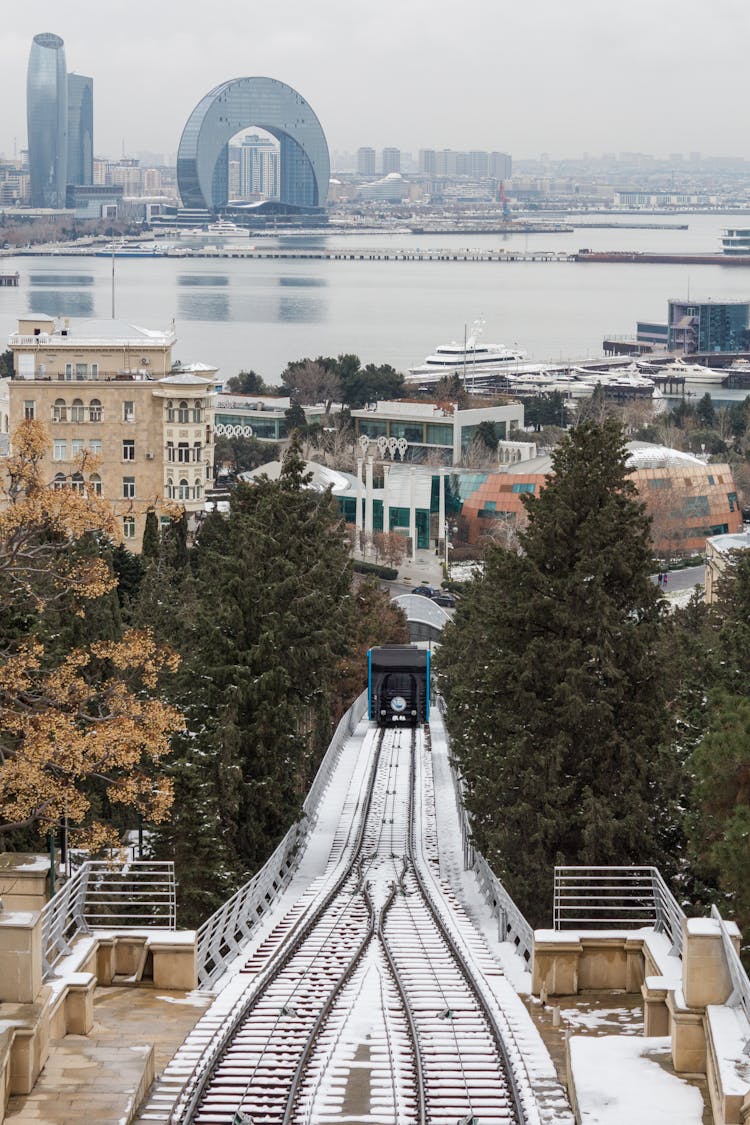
<point x="463" y="964"/>
<point x="418" y="1066"/>
<point x="323" y="1014"/>
<point x="219" y="1044"/>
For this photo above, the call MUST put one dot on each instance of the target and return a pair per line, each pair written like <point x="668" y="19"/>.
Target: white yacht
<point x="548" y="382"/>
<point x="224" y="228"/>
<point x="628" y="380"/>
<point x="471" y="358"/>
<point x="694" y="373"/>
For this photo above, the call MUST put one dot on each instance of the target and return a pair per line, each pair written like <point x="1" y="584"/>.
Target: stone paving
<point x="101" y="1078"/>
<point x="595" y="1013"/>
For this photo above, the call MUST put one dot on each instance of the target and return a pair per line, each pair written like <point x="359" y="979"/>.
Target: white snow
<point x="619" y="1081"/>
<point x="730" y="1032"/>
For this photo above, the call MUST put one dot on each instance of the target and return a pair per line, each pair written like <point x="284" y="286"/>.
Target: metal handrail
<point x="107" y="894"/>
<point x="227" y="931"/>
<point x="740" y="995"/>
<point x="511" y="924"/>
<point x="63" y="919"/>
<point x="621" y="898"/>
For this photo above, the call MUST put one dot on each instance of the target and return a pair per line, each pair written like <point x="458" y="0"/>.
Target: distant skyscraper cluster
<point x="60" y="119"/>
<point x="477" y="164"/>
<point x="438" y="163"/>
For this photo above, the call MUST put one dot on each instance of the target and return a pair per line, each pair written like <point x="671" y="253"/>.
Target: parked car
<point x="444" y="598"/>
<point x="426" y="591"/>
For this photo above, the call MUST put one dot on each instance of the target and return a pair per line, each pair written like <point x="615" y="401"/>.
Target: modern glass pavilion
<point x="202" y="158"/>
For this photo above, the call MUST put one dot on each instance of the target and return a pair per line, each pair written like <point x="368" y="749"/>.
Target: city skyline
<point x="444" y="87"/>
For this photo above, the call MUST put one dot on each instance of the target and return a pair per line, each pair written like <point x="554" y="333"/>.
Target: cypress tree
<point x="150" y="548"/>
<point x="556" y="685"/>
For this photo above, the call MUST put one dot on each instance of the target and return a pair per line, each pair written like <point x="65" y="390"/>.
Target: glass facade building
<point x="203" y="154"/>
<point x="708" y="326"/>
<point x="47" y="121"/>
<point x="80" y="129"/>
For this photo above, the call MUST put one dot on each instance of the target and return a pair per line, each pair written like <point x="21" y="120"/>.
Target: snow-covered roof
<point x="733" y="541"/>
<point x="647" y="455"/>
<point x="322" y="476"/>
<point x="186" y="379"/>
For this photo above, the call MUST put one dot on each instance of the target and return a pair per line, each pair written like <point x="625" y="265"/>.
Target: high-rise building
<point x="47" y="120"/>
<point x="366" y="161"/>
<point x="259" y="168"/>
<point x="391" y="160"/>
<point x="500" y="166"/>
<point x="478" y="165"/>
<point x="232" y="108"/>
<point x="80" y="129"/>
<point x="427" y="161"/>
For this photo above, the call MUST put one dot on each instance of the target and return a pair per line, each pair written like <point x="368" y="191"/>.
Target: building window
<point x="59" y="411"/>
<point x="198" y="412"/>
<point x="76" y="447"/>
<point x="128" y="449"/>
<point x="76" y="483"/>
<point x="68" y="370"/>
<point x="128" y="488"/>
<point x="95" y="484"/>
<point x="170" y="451"/>
<point x="60" y="450"/>
<point x="197" y="490"/>
<point x="170" y="489"/>
<point x="29" y="409"/>
<point x="82" y="370"/>
<point x="197" y="448"/>
<point x="128" y="412"/>
<point x="95" y="410"/>
<point x="183" y="490"/>
<point x="128" y="527"/>
<point x="183" y="414"/>
<point x="523" y="487"/>
<point x="170" y="410"/>
<point x="183" y="452"/>
<point x="732" y="498"/>
<point x="59" y="482"/>
<point x="94" y="370"/>
<point x="95" y="445"/>
<point x="76" y="411"/>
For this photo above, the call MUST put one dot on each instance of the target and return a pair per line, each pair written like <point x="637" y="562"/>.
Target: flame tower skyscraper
<point x="47" y="120"/>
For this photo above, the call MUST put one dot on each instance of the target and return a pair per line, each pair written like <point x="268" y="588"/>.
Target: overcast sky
<point x="533" y="76"/>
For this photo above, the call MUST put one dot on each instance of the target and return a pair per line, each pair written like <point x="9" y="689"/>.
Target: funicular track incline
<point x="272" y="1059"/>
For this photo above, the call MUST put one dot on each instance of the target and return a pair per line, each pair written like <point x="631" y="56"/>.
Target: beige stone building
<point x="721" y="551"/>
<point x="110" y="390"/>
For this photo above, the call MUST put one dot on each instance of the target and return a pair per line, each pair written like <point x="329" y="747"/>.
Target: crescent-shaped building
<point x="203" y="155"/>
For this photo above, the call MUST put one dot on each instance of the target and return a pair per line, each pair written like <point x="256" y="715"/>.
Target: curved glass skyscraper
<point x="47" y="120"/>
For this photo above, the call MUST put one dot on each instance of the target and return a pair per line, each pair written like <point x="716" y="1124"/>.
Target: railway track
<point x="377" y="982"/>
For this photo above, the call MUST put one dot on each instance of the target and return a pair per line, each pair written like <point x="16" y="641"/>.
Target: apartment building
<point x="110" y="389"/>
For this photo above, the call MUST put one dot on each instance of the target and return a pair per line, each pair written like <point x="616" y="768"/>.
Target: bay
<point x="260" y="314"/>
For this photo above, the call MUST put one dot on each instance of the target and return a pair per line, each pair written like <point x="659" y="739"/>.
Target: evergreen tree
<point x="150" y="548"/>
<point x="262" y="627"/>
<point x="128" y="569"/>
<point x="719" y="764"/>
<point x="295" y="417"/>
<point x="556" y="686"/>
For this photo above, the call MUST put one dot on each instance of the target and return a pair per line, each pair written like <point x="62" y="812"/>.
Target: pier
<point x="9" y="279"/>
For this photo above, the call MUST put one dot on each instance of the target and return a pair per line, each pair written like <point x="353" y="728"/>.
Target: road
<point x="684" y="579"/>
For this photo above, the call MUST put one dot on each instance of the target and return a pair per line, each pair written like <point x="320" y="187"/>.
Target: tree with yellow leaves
<point x="85" y="721"/>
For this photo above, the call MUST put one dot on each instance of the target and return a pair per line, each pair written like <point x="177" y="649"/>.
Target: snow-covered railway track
<point x="378" y="958"/>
